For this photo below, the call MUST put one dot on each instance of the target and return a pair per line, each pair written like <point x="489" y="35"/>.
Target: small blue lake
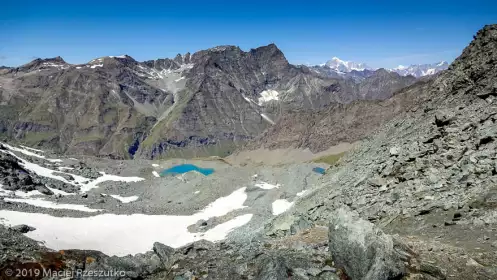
<point x="184" y="168"/>
<point x="319" y="170"/>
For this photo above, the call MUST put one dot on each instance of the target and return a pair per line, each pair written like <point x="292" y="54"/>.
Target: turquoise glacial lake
<point x="184" y="168"/>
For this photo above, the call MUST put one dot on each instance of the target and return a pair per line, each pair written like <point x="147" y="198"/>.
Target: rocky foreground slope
<point x="416" y="199"/>
<point x="429" y="174"/>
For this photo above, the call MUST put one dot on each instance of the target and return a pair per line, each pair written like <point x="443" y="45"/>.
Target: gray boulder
<point x="364" y="252"/>
<point x="273" y="268"/>
<point x="23" y="228"/>
<point x="164" y="252"/>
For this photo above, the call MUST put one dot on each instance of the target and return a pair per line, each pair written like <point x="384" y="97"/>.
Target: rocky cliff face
<point x="207" y="103"/>
<point x="225" y="98"/>
<point x="91" y="109"/>
<point x="338" y="123"/>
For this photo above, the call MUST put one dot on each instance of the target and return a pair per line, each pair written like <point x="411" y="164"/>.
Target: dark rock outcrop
<point x="23" y="228"/>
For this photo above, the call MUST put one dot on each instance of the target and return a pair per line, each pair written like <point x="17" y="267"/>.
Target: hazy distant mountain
<point x="358" y="70"/>
<point x="421" y="70"/>
<point x="345" y="66"/>
<point x="344" y="69"/>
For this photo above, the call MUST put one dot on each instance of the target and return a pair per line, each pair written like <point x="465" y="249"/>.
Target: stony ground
<point x="182" y="194"/>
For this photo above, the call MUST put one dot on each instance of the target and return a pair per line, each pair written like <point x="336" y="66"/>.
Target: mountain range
<point x="337" y="67"/>
<point x="207" y="103"/>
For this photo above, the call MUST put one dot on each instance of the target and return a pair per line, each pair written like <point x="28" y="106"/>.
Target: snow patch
<point x="302" y="193"/>
<point x="52" y="205"/>
<point x="4" y="192"/>
<point x="59" y="192"/>
<point x="84" y="183"/>
<point x="249" y="100"/>
<point x="264" y="116"/>
<point x="280" y="206"/>
<point x="108" y="177"/>
<point x="49" y="64"/>
<point x="155" y="174"/>
<point x="125" y="199"/>
<point x="129" y="234"/>
<point x="63" y="168"/>
<point x="267" y="186"/>
<point x="29" y="153"/>
<point x="268" y="95"/>
<point x="45" y="172"/>
<point x="32" y="149"/>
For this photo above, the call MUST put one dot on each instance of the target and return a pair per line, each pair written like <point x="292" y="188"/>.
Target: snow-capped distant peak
<point x="118" y="56"/>
<point x="420" y="70"/>
<point x="343" y="66"/>
<point x="337" y="67"/>
<point x="442" y="63"/>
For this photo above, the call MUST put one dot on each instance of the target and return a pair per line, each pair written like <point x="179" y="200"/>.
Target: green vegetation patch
<point x="88" y="138"/>
<point x="330" y="159"/>
<point x="8" y="112"/>
<point x="32" y="138"/>
<point x="163" y="126"/>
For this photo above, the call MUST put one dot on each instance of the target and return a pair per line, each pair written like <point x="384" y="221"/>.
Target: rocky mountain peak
<point x="223" y="48"/>
<point x="178" y="59"/>
<point x="231" y="56"/>
<point x="113" y="61"/>
<point x="181" y="59"/>
<point x="382" y="71"/>
<point x="482" y="49"/>
<point x="57" y="59"/>
<point x="45" y="63"/>
<point x="474" y="70"/>
<point x="187" y="57"/>
<point x="269" y="48"/>
<point x="124" y="59"/>
<point x="269" y="54"/>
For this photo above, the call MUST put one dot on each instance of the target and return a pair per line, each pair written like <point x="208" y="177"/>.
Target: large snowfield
<point x="118" y="234"/>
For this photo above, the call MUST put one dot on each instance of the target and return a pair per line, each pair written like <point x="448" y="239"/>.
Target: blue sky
<point x="380" y="33"/>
